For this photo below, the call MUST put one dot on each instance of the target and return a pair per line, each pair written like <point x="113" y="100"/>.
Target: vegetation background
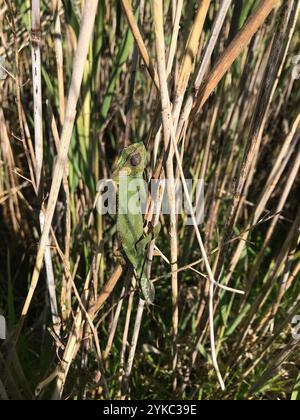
<point x="212" y="89"/>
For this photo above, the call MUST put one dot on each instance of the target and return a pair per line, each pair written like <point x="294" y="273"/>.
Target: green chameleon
<point x="128" y="175"/>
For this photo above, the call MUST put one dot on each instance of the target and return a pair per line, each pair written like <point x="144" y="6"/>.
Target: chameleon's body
<point x="127" y="173"/>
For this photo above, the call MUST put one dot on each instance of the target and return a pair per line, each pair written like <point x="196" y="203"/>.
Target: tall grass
<point x="210" y="88"/>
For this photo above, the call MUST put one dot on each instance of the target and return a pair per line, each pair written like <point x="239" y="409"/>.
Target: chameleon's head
<point x="131" y="160"/>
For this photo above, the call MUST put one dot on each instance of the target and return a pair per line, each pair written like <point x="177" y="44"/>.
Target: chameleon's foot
<point x="148" y="291"/>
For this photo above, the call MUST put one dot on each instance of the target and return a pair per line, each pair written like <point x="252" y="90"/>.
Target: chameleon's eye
<point x="135" y="160"/>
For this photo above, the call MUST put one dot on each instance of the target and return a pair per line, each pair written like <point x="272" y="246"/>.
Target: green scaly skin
<point x="132" y="162"/>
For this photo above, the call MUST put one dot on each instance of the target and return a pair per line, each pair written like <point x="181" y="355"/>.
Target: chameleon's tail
<point x="148" y="290"/>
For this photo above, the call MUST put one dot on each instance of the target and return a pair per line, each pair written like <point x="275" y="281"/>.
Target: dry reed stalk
<point x="58" y="44"/>
<point x="175" y="33"/>
<point x="204" y="63"/>
<point x="114" y="323"/>
<point x="135" y="336"/>
<point x="139" y="40"/>
<point x="66" y="287"/>
<point x="37" y="88"/>
<point x="189" y="58"/>
<point x="107" y="290"/>
<point x="126" y="328"/>
<point x="166" y="121"/>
